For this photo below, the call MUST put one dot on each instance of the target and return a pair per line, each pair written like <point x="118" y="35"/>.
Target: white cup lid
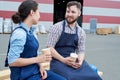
<point x="74" y="55"/>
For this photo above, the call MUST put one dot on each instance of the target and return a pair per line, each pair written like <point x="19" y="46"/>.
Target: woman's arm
<point x="28" y="61"/>
<point x="42" y="71"/>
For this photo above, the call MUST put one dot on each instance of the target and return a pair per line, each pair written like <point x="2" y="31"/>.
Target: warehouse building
<point x="95" y="13"/>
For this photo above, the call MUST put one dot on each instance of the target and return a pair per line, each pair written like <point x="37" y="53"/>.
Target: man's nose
<point x="70" y="13"/>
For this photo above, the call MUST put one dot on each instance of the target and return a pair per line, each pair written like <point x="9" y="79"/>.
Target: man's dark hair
<point x="72" y="3"/>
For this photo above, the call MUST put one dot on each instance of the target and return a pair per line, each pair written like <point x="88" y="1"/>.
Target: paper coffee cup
<point x="46" y="51"/>
<point x="73" y="56"/>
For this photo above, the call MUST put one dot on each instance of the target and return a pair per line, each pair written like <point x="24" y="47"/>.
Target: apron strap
<point x="63" y="26"/>
<point x="6" y="60"/>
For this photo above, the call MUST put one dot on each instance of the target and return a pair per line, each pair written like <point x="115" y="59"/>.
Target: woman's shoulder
<point x="19" y="30"/>
<point x="19" y="33"/>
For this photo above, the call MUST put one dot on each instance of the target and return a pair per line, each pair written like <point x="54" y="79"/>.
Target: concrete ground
<point x="101" y="50"/>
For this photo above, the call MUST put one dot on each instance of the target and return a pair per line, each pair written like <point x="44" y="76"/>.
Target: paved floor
<point x="101" y="50"/>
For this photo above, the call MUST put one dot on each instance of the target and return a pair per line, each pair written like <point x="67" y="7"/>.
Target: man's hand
<point x="77" y="64"/>
<point x="68" y="61"/>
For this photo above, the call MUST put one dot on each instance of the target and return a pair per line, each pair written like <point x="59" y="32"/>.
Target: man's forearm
<point x="81" y="56"/>
<point x="56" y="55"/>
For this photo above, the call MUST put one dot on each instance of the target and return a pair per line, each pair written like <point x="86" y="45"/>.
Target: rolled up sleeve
<point x="17" y="42"/>
<point x="81" y="42"/>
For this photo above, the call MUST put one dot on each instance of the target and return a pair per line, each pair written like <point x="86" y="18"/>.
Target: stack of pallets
<point x="104" y="31"/>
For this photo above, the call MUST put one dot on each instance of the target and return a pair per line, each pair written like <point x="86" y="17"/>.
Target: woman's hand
<point x="44" y="58"/>
<point x="43" y="73"/>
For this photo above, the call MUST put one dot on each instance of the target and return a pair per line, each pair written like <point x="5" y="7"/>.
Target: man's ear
<point x="79" y="13"/>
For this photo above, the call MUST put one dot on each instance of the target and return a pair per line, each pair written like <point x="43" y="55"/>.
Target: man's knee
<point x="54" y="76"/>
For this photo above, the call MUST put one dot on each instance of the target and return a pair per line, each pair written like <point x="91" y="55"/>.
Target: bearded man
<point x="66" y="37"/>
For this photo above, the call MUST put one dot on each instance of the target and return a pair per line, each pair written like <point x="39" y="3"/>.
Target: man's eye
<point x="68" y="11"/>
<point x="73" y="11"/>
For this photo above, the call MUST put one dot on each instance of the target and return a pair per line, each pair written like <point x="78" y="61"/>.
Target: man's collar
<point x="66" y="25"/>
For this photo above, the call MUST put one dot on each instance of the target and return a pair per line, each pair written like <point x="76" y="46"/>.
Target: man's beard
<point x="71" y="22"/>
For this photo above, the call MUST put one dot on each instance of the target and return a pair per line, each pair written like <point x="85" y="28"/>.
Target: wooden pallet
<point x="5" y="74"/>
<point x="104" y="31"/>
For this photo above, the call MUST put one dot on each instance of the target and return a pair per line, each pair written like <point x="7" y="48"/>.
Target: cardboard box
<point x="104" y="31"/>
